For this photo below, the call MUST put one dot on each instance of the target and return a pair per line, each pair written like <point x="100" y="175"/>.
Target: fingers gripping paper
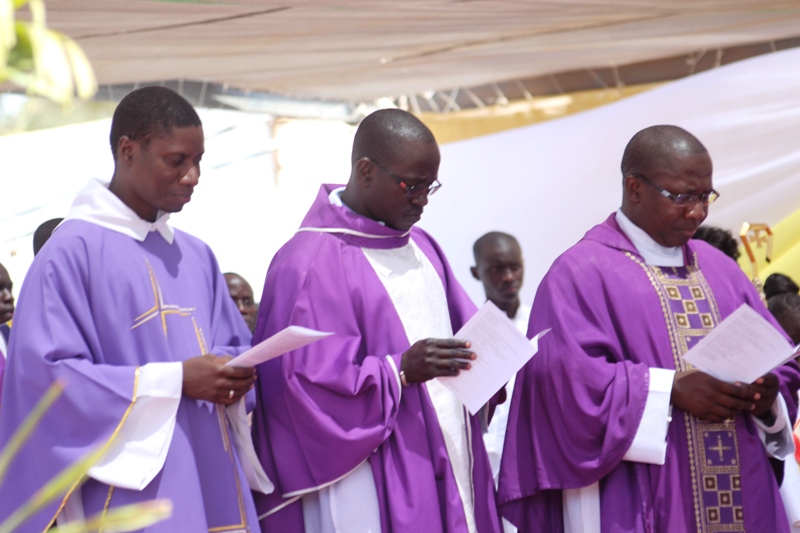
<point x="501" y="351"/>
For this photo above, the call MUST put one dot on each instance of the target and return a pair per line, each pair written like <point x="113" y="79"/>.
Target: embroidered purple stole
<point x="691" y="312"/>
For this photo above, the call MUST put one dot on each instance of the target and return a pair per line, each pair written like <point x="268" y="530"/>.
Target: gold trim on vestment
<point x="104" y="448"/>
<point x="700" y="465"/>
<point x="105" y="507"/>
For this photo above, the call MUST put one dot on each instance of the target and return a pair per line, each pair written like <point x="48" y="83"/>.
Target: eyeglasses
<point x="683" y="200"/>
<point x="412" y="191"/>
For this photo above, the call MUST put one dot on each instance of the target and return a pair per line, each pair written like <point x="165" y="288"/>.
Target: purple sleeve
<point x="55" y="339"/>
<point x="331" y="398"/>
<point x="576" y="404"/>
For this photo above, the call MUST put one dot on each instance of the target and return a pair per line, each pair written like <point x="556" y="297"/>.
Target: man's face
<point x="500" y="268"/>
<point x="417" y="164"/>
<point x="666" y="222"/>
<point x="6" y="297"/>
<point x="242" y="296"/>
<point x="164" y="171"/>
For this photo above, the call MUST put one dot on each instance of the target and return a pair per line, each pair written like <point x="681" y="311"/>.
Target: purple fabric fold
<point x="578" y="403"/>
<point x="326" y="408"/>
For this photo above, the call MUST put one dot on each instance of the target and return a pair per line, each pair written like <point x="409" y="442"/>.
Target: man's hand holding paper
<point x="500" y="349"/>
<point x="709" y="398"/>
<point x="430" y="358"/>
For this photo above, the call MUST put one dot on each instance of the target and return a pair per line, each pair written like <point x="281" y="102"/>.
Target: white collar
<point x="96" y="204"/>
<point x="335" y="197"/>
<point x="652" y="252"/>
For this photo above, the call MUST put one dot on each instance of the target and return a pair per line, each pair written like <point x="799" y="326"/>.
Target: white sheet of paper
<point x="501" y="351"/>
<point x="286" y="340"/>
<point x="743" y="347"/>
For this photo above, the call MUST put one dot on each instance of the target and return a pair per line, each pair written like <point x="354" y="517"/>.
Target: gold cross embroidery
<point x="159" y="307"/>
<point x="719" y="448"/>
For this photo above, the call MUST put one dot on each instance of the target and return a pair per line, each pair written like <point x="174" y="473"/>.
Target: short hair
<point x="776" y="284"/>
<point x="652" y="147"/>
<point x="492" y="236"/>
<point x="378" y="134"/>
<point x="783" y="305"/>
<point x="43" y="233"/>
<point x="721" y="239"/>
<point x="149" y="112"/>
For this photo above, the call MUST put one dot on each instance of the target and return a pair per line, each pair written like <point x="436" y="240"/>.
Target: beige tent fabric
<point x="362" y="50"/>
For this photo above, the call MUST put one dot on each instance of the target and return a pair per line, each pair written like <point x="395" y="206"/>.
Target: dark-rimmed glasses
<point x="683" y="200"/>
<point x="412" y="191"/>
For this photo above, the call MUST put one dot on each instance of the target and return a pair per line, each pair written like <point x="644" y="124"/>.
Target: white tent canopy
<point x="546" y="183"/>
<point x="360" y="50"/>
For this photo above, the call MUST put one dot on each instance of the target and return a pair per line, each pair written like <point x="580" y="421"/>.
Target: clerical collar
<point x="336" y="199"/>
<point x="96" y="204"/>
<point x="652" y="252"/>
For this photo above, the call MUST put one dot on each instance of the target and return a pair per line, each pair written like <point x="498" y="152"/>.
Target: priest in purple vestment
<point x="610" y="430"/>
<point x="134" y="318"/>
<point x="354" y="430"/>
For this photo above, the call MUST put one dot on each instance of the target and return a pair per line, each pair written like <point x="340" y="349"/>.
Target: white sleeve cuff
<point x="138" y="452"/>
<point x="650" y="442"/>
<point x="397" y="377"/>
<point x="777" y="438"/>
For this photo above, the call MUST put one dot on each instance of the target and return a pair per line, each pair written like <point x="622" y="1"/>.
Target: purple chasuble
<point x="94" y="307"/>
<point x="578" y="403"/>
<point x="326" y="408"/>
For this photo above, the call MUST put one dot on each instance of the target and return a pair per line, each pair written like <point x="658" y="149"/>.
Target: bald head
<point x="667" y="185"/>
<point x="491" y="241"/>
<point x="656" y="146"/>
<point x="381" y="135"/>
<point x="395" y="165"/>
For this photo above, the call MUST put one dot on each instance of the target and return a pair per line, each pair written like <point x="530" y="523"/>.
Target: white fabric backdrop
<point x="547" y="184"/>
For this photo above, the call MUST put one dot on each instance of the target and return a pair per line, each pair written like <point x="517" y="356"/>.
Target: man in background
<point x="6" y="314"/>
<point x="43" y="233"/>
<point x="242" y="295"/>
<point x="500" y="268"/>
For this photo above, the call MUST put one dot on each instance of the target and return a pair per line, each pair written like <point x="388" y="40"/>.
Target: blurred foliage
<point x="42" y="61"/>
<point x="120" y="519"/>
<point x="20" y="113"/>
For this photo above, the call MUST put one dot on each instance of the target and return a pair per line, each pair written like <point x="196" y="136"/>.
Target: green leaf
<point x="85" y="83"/>
<point x="8" y="37"/>
<point x="23" y="433"/>
<point x="41" y="60"/>
<point x="68" y="478"/>
<point x="37" y="12"/>
<point x="122" y="519"/>
<point x="53" y="77"/>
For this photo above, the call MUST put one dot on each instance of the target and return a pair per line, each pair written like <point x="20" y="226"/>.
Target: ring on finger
<point x="230" y="394"/>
